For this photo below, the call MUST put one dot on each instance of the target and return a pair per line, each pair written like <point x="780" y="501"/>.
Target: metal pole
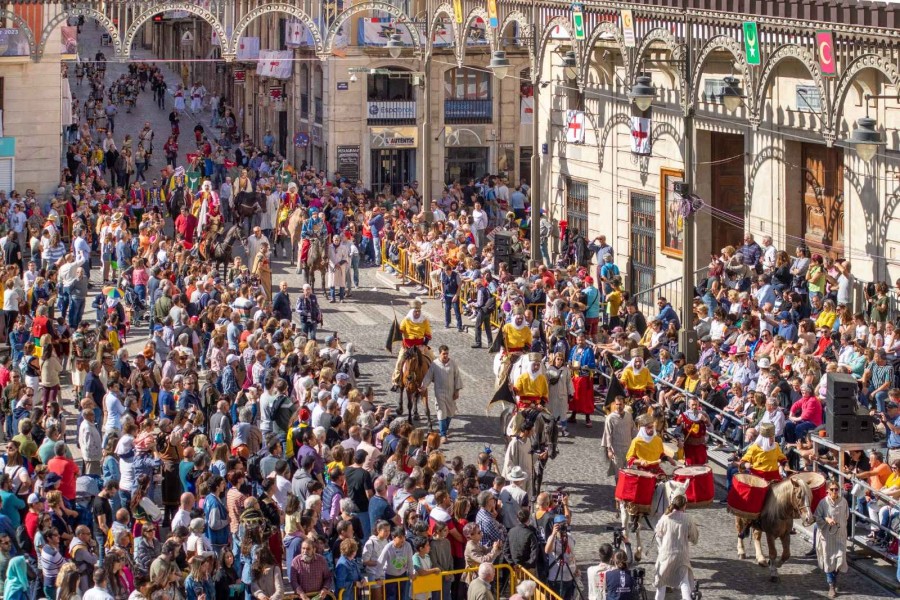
<point x="535" y="157"/>
<point x="426" y="176"/>
<point x="687" y="340"/>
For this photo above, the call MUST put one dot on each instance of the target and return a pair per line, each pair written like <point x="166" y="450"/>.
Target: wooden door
<point x="727" y="190"/>
<point x="823" y="199"/>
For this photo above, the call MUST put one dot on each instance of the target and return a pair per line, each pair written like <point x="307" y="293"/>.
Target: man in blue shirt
<point x="667" y="314"/>
<point x="376" y="224"/>
<point x="517" y="203"/>
<point x="891" y="420"/>
<point x="592" y="308"/>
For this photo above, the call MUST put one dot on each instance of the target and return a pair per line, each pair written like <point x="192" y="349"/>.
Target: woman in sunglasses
<point x="831" y="543"/>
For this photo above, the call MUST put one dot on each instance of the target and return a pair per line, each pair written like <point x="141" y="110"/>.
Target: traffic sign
<point x="751" y="42"/>
<point x="578" y="20"/>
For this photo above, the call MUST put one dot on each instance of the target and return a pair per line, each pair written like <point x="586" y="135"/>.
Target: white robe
<point x="560" y="392"/>
<point x="618" y="431"/>
<point x="675" y="533"/>
<point x="518" y="454"/>
<point x="337" y="273"/>
<point x="447" y="384"/>
<point x="831" y="543"/>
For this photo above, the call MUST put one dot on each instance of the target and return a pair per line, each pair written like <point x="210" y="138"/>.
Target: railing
<point x="395" y="112"/>
<point x="670" y="290"/>
<point x="427" y="584"/>
<point x="468" y="111"/>
<point x="406" y="268"/>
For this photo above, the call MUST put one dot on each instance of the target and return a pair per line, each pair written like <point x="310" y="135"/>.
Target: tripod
<point x="563" y="566"/>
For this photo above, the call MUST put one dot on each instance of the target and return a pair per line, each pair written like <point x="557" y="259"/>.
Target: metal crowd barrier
<point x="427" y="584"/>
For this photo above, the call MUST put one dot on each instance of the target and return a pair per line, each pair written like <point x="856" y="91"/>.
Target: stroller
<point x="139" y="309"/>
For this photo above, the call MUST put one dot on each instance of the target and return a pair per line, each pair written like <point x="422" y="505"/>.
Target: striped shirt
<point x="880" y="374"/>
<point x="51" y="562"/>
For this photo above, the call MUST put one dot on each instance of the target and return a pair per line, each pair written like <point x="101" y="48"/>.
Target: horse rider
<point x="289" y="201"/>
<point x="764" y="457"/>
<point x="309" y="229"/>
<point x="646" y="452"/>
<point x="415" y="328"/>
<point x="531" y="387"/>
<point x="206" y="204"/>
<point x="517" y="338"/>
<point x="636" y="377"/>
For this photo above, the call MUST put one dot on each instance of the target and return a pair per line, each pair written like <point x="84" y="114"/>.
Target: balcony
<point x="391" y="112"/>
<point x="468" y="111"/>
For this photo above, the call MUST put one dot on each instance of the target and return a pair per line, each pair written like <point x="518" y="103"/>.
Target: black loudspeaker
<point x="841" y="393"/>
<point x="850" y="429"/>
<point x="503" y="241"/>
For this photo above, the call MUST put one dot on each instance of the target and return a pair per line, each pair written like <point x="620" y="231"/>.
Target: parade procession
<point x="478" y="300"/>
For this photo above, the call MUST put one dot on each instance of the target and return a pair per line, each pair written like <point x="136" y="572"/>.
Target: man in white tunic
<point x="519" y="454"/>
<point x="559" y="379"/>
<point x="445" y="376"/>
<point x="338" y="261"/>
<point x="675" y="532"/>
<point x="618" y="431"/>
<point x="831" y="543"/>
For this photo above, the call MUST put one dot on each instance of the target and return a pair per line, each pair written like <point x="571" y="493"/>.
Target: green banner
<point x="751" y="42"/>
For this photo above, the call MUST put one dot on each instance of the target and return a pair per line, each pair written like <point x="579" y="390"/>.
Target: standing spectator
<point x="831" y="542"/>
<point x="480" y="587"/>
<point x="90" y="443"/>
<point x="447" y="380"/>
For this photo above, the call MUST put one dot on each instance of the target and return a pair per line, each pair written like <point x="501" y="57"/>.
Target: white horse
<point x="662" y="496"/>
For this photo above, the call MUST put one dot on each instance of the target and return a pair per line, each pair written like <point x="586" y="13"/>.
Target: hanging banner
<point x="526" y="106"/>
<point x="477" y="33"/>
<point x="69" y="39"/>
<point x="377" y="31"/>
<point x="275" y="92"/>
<point x="578" y="20"/>
<point x="640" y="135"/>
<point x="294" y="34"/>
<point x="628" y="28"/>
<point x="574" y="126"/>
<point x="214" y="40"/>
<point x="751" y="42"/>
<point x="442" y="37"/>
<point x="825" y="52"/>
<point x="492" y="14"/>
<point x="458" y="11"/>
<point x="275" y="63"/>
<point x="240" y="76"/>
<point x="248" y="48"/>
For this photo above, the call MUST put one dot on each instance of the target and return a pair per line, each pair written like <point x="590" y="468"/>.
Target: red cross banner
<point x="575" y="126"/>
<point x="640" y="135"/>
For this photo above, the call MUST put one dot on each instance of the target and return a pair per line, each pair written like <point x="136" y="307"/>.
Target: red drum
<point x="816" y="483"/>
<point x="701" y="488"/>
<point x="636" y="488"/>
<point x="747" y="495"/>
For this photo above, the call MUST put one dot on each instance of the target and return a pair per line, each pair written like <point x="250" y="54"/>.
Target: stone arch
<point x="559" y="21"/>
<point x="525" y="28"/>
<point x="604" y="28"/>
<point x="264" y="9"/>
<point x="674" y="46"/>
<point x="723" y="42"/>
<point x="876" y="62"/>
<point x="806" y="58"/>
<point x="390" y="9"/>
<point x="162" y="7"/>
<point x="23" y="26"/>
<point x="445" y="11"/>
<point x="613" y="122"/>
<point x="77" y="11"/>
<point x="461" y="45"/>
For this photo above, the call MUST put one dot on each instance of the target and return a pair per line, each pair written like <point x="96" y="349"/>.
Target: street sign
<point x="343" y="86"/>
<point x="575" y="126"/>
<point x="751" y="42"/>
<point x="301" y="140"/>
<point x="578" y="20"/>
<point x="628" y="28"/>
<point x="187" y="38"/>
<point x="492" y="14"/>
<point x="825" y="52"/>
<point x="545" y="149"/>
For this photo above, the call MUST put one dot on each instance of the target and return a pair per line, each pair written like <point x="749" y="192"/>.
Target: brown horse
<point x="785" y="501"/>
<point x="412" y="373"/>
<point x="315" y="261"/>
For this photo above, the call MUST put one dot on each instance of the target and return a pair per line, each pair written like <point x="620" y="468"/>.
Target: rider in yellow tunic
<point x="764" y="457"/>
<point x="636" y="377"/>
<point x="416" y="331"/>
<point x="531" y="387"/>
<point x="517" y="335"/>
<point x="646" y="451"/>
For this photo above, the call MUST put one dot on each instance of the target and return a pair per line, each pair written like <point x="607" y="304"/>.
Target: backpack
<point x="254" y="467"/>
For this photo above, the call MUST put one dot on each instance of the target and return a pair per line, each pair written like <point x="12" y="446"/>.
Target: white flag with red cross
<point x="640" y="135"/>
<point x="575" y="126"/>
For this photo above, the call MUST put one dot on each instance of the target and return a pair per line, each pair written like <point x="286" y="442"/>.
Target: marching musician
<point x="531" y="386"/>
<point x="636" y="377"/>
<point x="693" y="424"/>
<point x="646" y="451"/>
<point x="764" y="457"/>
<point x="415" y="328"/>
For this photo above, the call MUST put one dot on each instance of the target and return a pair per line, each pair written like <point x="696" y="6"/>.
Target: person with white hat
<point x="764" y="457"/>
<point x="646" y="451"/>
<point x="513" y="496"/>
<point x="531" y="386"/>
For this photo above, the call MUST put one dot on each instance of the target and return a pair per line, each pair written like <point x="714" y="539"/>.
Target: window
<point x="467" y="84"/>
<point x="577" y="206"/>
<point x="713" y="89"/>
<point x="809" y="99"/>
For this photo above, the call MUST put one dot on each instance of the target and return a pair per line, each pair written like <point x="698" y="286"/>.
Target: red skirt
<point x="695" y="454"/>
<point x="583" y="397"/>
<point x="767" y="475"/>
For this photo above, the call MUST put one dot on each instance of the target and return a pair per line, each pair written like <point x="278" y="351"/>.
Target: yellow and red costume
<point x="765" y="462"/>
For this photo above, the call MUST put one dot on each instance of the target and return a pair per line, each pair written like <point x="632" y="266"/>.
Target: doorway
<point x="727" y="190"/>
<point x="822" y="218"/>
<point x="393" y="168"/>
<point x="282" y="132"/>
<point x="464" y="163"/>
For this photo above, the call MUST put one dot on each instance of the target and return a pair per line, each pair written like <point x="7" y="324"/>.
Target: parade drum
<point x="701" y="488"/>
<point x="747" y="495"/>
<point x="817" y="484"/>
<point x="635" y="488"/>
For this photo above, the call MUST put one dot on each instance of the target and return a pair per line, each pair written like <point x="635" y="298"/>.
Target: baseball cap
<point x="34" y="499"/>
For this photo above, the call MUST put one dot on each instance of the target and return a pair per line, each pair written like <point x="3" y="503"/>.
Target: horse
<point x="176" y="202"/>
<point x="412" y="372"/>
<point x="246" y="204"/>
<point x="219" y="251"/>
<point x="785" y="501"/>
<point x="662" y="496"/>
<point x="315" y="261"/>
<point x="293" y="227"/>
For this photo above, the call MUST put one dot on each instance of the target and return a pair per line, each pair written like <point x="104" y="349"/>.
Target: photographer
<point x="547" y="507"/>
<point x="560" y="550"/>
<point x="487" y="469"/>
<point x="619" y="583"/>
<point x="597" y="576"/>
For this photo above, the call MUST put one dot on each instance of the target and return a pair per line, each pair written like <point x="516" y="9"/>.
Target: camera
<point x="618" y="535"/>
<point x="638" y="574"/>
<point x="558" y="495"/>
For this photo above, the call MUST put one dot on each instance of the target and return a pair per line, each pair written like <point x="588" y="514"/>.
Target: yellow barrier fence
<point x="428" y="584"/>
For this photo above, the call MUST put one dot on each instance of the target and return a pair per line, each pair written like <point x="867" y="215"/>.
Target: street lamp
<point x="866" y="138"/>
<point x="732" y="96"/>
<point x="642" y="93"/>
<point x="570" y="63"/>
<point x="499" y="64"/>
<point x="395" y="45"/>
